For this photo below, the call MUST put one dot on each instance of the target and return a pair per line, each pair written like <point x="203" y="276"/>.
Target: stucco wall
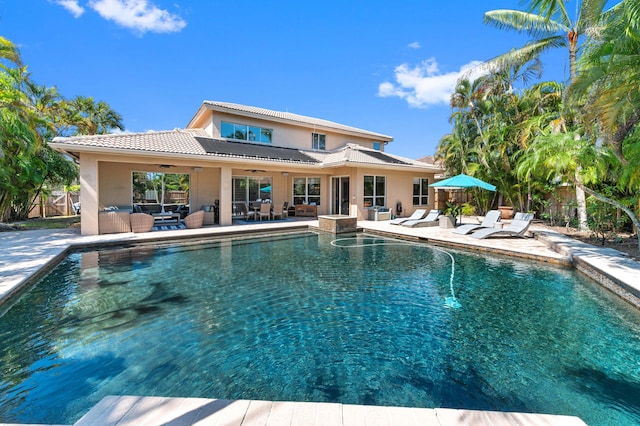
<point x="115" y="174"/>
<point x="399" y="188"/>
<point x="285" y="135"/>
<point x="116" y="179"/>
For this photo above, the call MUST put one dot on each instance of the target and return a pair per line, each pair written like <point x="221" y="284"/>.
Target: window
<point x="374" y="191"/>
<point x="154" y="192"/>
<point x="245" y="133"/>
<point x="249" y="188"/>
<point x="376" y="146"/>
<point x="420" y="191"/>
<point x="318" y="141"/>
<point x="306" y="191"/>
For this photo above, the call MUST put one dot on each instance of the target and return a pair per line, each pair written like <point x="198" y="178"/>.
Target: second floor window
<point x="318" y="141"/>
<point x="244" y="132"/>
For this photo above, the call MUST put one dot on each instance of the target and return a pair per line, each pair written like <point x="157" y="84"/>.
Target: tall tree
<point x="550" y="26"/>
<point x="608" y="90"/>
<point x="19" y="143"/>
<point x="92" y="118"/>
<point x="31" y="116"/>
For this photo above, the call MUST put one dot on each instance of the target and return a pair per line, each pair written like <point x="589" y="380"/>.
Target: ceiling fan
<point x="254" y="170"/>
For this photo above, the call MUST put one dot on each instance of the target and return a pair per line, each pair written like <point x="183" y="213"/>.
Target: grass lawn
<point x="48" y="223"/>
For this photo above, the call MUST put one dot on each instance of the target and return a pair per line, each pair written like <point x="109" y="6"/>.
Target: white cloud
<point x="72" y="6"/>
<point x="415" y="45"/>
<point x="425" y="85"/>
<point x="139" y="15"/>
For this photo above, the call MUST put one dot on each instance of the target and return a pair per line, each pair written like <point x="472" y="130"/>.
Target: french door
<point x="340" y="192"/>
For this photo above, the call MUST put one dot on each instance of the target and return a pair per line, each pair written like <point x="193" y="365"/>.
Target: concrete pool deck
<point x="26" y="255"/>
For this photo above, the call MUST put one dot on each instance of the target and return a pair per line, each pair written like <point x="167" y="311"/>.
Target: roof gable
<point x="384" y="157"/>
<point x="289" y="118"/>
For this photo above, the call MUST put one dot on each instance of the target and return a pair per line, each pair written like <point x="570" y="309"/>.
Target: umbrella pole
<point x="162" y="197"/>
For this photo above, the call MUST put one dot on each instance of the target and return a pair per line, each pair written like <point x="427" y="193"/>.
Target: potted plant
<point x="453" y="211"/>
<point x="507" y="211"/>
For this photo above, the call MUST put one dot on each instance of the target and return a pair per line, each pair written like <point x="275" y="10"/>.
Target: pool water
<point x="294" y="317"/>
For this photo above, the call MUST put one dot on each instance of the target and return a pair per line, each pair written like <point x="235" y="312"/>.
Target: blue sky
<point x="383" y="66"/>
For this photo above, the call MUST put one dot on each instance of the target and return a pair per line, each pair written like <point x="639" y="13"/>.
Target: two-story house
<point x="234" y="153"/>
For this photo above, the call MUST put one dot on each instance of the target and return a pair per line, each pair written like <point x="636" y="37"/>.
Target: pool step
<point x="147" y="411"/>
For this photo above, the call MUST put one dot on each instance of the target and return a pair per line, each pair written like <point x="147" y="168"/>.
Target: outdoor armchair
<point x="194" y="220"/>
<point x="141" y="222"/>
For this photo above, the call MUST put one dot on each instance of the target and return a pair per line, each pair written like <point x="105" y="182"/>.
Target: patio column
<point x="225" y="195"/>
<point x="89" y="194"/>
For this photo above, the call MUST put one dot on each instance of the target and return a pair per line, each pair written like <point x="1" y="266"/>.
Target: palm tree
<point x="550" y="28"/>
<point x="546" y="33"/>
<point x="609" y="80"/>
<point x="9" y="52"/>
<point x="93" y="118"/>
<point x="608" y="88"/>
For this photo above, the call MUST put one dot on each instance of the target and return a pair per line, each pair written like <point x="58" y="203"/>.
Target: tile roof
<point x="292" y="118"/>
<point x="196" y="142"/>
<point x="356" y="154"/>
<point x="169" y="141"/>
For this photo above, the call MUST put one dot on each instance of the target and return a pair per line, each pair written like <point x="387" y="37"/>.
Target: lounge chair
<point x="430" y="220"/>
<point x="517" y="228"/>
<point x="418" y="214"/>
<point x="492" y="217"/>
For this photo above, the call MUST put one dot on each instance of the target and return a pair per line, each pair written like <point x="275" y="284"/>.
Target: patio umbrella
<point x="463" y="181"/>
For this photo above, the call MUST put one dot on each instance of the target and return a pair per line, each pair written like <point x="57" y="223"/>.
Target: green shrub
<point x="468" y="209"/>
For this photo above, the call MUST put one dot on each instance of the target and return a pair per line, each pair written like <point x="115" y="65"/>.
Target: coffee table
<point x="166" y="218"/>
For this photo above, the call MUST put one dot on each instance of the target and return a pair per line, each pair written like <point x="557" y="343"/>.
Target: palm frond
<point x="535" y="25"/>
<point x="632" y="11"/>
<point x="591" y="15"/>
<point x="519" y="56"/>
<point x="9" y="51"/>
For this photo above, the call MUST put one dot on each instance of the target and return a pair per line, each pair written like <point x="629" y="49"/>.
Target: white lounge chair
<point x="418" y="214"/>
<point x="430" y="220"/>
<point x="491" y="218"/>
<point x="517" y="228"/>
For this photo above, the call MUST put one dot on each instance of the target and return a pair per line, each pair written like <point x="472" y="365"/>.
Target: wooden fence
<point x="57" y="204"/>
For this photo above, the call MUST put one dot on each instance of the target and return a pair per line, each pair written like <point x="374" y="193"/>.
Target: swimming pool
<point x="364" y="320"/>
